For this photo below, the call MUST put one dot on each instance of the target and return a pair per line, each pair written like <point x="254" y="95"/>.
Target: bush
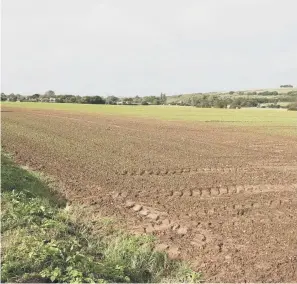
<point x="47" y="246"/>
<point x="292" y="106"/>
<point x="3" y="97"/>
<point x="235" y="106"/>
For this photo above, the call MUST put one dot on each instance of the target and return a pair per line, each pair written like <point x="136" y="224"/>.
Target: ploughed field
<point x="222" y="196"/>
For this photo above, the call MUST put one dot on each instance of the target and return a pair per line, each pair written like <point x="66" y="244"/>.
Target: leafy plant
<point x="42" y="242"/>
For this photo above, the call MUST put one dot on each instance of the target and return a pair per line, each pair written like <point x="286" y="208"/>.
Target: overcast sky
<point x="144" y="47"/>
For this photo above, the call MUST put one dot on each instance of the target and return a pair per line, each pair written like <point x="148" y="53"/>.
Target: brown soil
<point x="223" y="197"/>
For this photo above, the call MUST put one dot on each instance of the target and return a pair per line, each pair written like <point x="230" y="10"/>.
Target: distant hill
<point x="279" y="90"/>
<point x="231" y="93"/>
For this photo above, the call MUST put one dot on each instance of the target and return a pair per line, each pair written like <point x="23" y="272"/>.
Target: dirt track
<point x="224" y="197"/>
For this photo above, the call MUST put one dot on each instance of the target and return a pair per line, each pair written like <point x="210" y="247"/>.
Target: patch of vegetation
<point x="233" y="99"/>
<point x="32" y="184"/>
<point x="42" y="242"/>
<point x="251" y="98"/>
<point x="292" y="106"/>
<point x="50" y="96"/>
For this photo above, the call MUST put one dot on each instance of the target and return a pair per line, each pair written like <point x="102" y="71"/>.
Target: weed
<point x="42" y="242"/>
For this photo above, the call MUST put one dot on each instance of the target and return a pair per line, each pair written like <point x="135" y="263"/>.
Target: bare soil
<point x="222" y="197"/>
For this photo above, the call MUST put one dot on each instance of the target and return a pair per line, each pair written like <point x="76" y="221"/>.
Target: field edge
<point x="33" y="206"/>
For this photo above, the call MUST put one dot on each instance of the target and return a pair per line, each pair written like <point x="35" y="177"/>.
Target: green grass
<point x="44" y="241"/>
<point x="15" y="178"/>
<point x="176" y="113"/>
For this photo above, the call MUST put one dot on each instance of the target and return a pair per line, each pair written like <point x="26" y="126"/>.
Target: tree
<point x="163" y="98"/>
<point x="12" y="97"/>
<point x="292" y="106"/>
<point x="71" y="99"/>
<point x="153" y="100"/>
<point x="19" y="97"/>
<point x="220" y="104"/>
<point x="92" y="100"/>
<point x="49" y="94"/>
<point x="137" y="100"/>
<point x="97" y="100"/>
<point x="156" y="101"/>
<point x="36" y="96"/>
<point x="3" y="97"/>
<point x="78" y="99"/>
<point x="128" y="101"/>
<point x="111" y="100"/>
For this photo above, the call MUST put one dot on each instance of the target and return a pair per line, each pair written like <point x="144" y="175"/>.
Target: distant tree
<point x="249" y="103"/>
<point x="231" y="92"/>
<point x="67" y="99"/>
<point x="194" y="101"/>
<point x="72" y="99"/>
<point x="267" y="93"/>
<point x="251" y="93"/>
<point x="49" y="94"/>
<point x="274" y="105"/>
<point x="220" y="104"/>
<point x="234" y="106"/>
<point x="84" y="100"/>
<point x="3" y="97"/>
<point x="128" y="101"/>
<point x="237" y="103"/>
<point x="137" y="100"/>
<point x="92" y="100"/>
<point x="12" y="97"/>
<point x="292" y="93"/>
<point x="78" y="99"/>
<point x="152" y="100"/>
<point x="156" y="102"/>
<point x="286" y="86"/>
<point x="111" y="100"/>
<point x="163" y="99"/>
<point x="292" y="106"/>
<point x="36" y="96"/>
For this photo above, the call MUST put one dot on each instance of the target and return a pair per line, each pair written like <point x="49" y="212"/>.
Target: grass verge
<point x="43" y="241"/>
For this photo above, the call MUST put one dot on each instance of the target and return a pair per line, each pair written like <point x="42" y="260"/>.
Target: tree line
<point x="50" y="96"/>
<point x="234" y="100"/>
<point x="217" y="101"/>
